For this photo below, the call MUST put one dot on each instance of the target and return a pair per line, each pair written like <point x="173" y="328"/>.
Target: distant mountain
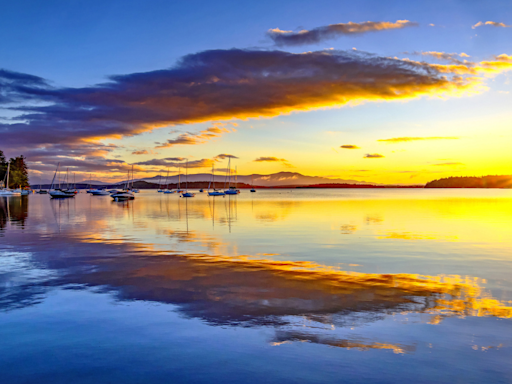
<point x="274" y="179"/>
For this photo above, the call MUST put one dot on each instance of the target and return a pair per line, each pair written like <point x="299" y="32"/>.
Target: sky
<point x="394" y="92"/>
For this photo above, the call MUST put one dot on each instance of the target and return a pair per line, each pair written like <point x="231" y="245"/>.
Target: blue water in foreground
<point x="280" y="286"/>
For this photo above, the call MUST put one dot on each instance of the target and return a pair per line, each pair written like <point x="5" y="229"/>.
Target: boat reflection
<point x="13" y="209"/>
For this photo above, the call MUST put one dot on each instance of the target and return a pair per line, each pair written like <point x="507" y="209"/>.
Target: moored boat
<point x="123" y="195"/>
<point x="6" y="191"/>
<point x="187" y="193"/>
<point x="58" y="193"/>
<point x="214" y="192"/>
<point x="99" y="192"/>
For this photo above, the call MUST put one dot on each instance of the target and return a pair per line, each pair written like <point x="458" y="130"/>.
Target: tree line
<point x="491" y="181"/>
<point x="18" y="173"/>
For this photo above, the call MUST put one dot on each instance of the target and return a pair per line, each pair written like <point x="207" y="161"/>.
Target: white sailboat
<point x="212" y="179"/>
<point x="6" y="191"/>
<point x="231" y="190"/>
<point x="125" y="194"/>
<point x="57" y="193"/>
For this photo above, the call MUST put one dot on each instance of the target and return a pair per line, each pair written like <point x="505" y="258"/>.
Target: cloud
<point x="268" y="158"/>
<point x="448" y="164"/>
<point x="373" y="156"/>
<point x="197" y="138"/>
<point x="349" y="146"/>
<point x="492" y="23"/>
<point x="223" y="156"/>
<point x="273" y="159"/>
<point x="451" y="57"/>
<point x="212" y="86"/>
<point x="174" y="162"/>
<point x="405" y="139"/>
<point x="316" y="35"/>
<point x="498" y="64"/>
<point x="141" y="152"/>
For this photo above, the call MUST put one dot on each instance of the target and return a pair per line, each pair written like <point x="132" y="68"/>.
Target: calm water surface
<point x="284" y="286"/>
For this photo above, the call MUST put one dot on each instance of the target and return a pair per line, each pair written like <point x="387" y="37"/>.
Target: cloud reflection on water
<point x="235" y="290"/>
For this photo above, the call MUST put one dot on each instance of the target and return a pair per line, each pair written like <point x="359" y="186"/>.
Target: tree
<point x="18" y="176"/>
<point x="3" y="167"/>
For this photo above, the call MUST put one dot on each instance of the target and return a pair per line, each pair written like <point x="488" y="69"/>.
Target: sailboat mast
<point x="211" y="178"/>
<point x="54" y="176"/>
<point x="179" y="178"/>
<point x="186" y="176"/>
<point x="8" y="168"/>
<point x="228" y="172"/>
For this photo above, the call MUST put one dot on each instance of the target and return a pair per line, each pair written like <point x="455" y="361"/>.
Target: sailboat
<point x="214" y="192"/>
<point x="125" y="194"/>
<point x="6" y="191"/>
<point x="252" y="184"/>
<point x="179" y="181"/>
<point x="58" y="193"/>
<point x="231" y="190"/>
<point x="160" y="184"/>
<point x="187" y="193"/>
<point x="41" y="190"/>
<point x="134" y="190"/>
<point x="88" y="190"/>
<point x="167" y="190"/>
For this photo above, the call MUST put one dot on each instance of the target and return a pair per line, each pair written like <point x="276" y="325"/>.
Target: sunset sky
<point x="377" y="91"/>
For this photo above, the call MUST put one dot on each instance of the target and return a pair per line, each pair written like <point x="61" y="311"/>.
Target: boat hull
<point x="61" y="194"/>
<point x="122" y="196"/>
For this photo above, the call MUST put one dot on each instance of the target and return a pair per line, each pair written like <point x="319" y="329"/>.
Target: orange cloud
<point x="141" y="152"/>
<point x="492" y="23"/>
<point x="500" y="63"/>
<point x="448" y="164"/>
<point x="405" y="139"/>
<point x="349" y="146"/>
<point x="273" y="159"/>
<point x="198" y="138"/>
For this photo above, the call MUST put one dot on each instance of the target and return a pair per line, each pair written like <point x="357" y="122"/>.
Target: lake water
<point x="278" y="286"/>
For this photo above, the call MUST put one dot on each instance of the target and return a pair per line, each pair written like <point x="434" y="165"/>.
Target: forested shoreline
<point x="490" y="181"/>
<point x="18" y="173"/>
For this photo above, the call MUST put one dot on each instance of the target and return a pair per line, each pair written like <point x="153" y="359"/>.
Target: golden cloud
<point x="198" y="138"/>
<point x="448" y="164"/>
<point x="405" y="139"/>
<point x="349" y="146"/>
<point x="492" y="23"/>
<point x="373" y="156"/>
